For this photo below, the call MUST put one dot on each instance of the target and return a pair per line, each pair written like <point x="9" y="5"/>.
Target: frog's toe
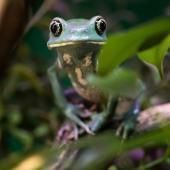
<point x="67" y="132"/>
<point x="97" y="122"/>
<point x="125" y="129"/>
<point x="88" y="130"/>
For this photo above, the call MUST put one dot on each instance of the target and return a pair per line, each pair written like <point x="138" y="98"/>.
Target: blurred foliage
<point x="114" y="83"/>
<point x="28" y="118"/>
<point x="107" y="146"/>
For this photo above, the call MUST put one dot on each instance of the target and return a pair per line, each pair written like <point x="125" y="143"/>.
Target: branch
<point x="153" y="117"/>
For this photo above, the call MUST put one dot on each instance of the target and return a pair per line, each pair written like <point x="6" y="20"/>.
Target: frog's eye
<point x="100" y="25"/>
<point x="56" y="27"/>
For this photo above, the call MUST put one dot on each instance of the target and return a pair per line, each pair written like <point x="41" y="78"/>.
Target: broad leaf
<point x="121" y="46"/>
<point x="107" y="145"/>
<point x="155" y="55"/>
<point x="119" y="82"/>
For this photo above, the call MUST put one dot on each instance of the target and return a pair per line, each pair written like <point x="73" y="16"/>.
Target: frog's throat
<point x="74" y="42"/>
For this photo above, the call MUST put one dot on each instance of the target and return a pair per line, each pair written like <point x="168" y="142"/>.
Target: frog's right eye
<point x="56" y="27"/>
<point x="100" y="25"/>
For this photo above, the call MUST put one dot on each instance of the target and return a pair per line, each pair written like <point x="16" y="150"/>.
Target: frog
<point x="78" y="43"/>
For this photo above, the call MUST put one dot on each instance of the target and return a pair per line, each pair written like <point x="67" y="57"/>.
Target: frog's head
<point x="76" y="31"/>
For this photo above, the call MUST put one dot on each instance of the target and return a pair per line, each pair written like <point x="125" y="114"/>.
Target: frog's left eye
<point x="100" y="25"/>
<point x="56" y="27"/>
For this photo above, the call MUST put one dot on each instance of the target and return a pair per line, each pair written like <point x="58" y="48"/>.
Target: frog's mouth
<point x="53" y="45"/>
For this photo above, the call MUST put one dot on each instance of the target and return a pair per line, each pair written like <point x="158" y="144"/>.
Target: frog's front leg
<point x="69" y="110"/>
<point x="98" y="120"/>
<point x="130" y="119"/>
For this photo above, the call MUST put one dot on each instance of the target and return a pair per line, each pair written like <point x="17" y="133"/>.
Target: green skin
<point x="77" y="47"/>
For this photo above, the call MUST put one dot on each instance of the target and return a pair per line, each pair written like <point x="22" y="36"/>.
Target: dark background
<point x="28" y="118"/>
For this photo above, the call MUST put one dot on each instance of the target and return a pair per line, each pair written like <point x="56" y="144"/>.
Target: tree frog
<point x="78" y="42"/>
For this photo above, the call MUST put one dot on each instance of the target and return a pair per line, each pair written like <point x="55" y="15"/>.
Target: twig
<point x="43" y="9"/>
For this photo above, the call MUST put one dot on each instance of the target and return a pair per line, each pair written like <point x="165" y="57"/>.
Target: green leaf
<point x="14" y="117"/>
<point x="41" y="130"/>
<point x="24" y="137"/>
<point x="155" y="55"/>
<point x="107" y="145"/>
<point x="112" y="168"/>
<point x="119" y="82"/>
<point x="121" y="46"/>
<point x="35" y="158"/>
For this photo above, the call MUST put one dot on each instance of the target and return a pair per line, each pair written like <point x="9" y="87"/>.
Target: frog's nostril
<point x="72" y="31"/>
<point x="85" y="31"/>
<point x="79" y="30"/>
<point x="82" y="30"/>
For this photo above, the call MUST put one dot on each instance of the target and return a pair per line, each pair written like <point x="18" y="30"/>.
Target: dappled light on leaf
<point x="32" y="163"/>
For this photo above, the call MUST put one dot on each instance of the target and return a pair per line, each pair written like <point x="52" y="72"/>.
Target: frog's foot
<point x="130" y="120"/>
<point x="68" y="132"/>
<point x="126" y="128"/>
<point x="72" y="113"/>
<point x="87" y="129"/>
<point x="97" y="122"/>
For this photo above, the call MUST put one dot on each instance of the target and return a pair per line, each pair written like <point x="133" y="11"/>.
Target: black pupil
<point x="53" y="28"/>
<point x="100" y="26"/>
<point x="56" y="28"/>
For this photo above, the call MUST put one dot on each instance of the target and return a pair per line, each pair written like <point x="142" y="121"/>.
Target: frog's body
<point x="78" y="64"/>
<point x="77" y="47"/>
<point x="78" y="42"/>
